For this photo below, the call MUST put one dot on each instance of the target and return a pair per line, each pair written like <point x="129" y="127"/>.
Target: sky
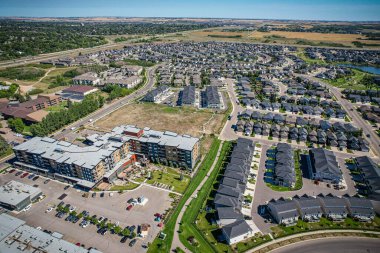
<point x="340" y="10"/>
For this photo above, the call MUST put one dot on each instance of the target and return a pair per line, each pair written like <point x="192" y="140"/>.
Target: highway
<point x="109" y="108"/>
<point x="333" y="245"/>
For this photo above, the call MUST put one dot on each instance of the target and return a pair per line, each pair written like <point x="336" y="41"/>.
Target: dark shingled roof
<point x="187" y="96"/>
<point x="237" y="228"/>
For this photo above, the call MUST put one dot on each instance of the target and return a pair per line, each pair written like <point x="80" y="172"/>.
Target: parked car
<point x="27" y="208"/>
<point x="46" y="181"/>
<point x="18" y="173"/>
<point x="12" y="170"/>
<point x="24" y="175"/>
<point x="131" y="243"/>
<point x="66" y="187"/>
<point x="35" y="178"/>
<point x="129" y="207"/>
<point x="93" y="194"/>
<point x="49" y="210"/>
<point x="31" y="176"/>
<point x="124" y="239"/>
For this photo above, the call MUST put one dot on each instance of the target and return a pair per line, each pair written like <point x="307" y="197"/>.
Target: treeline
<point x="20" y="38"/>
<point x="319" y="28"/>
<point x="5" y="148"/>
<point x="13" y="88"/>
<point x="22" y="73"/>
<point x="54" y="121"/>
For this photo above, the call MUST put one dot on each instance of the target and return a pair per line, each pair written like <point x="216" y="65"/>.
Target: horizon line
<point x="223" y="18"/>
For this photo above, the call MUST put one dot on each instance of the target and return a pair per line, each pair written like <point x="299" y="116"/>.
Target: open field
<point x="183" y="120"/>
<point x="170" y="177"/>
<point x="276" y="37"/>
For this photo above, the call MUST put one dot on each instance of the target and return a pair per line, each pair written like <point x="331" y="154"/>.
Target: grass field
<point x="129" y="186"/>
<point x="350" y="81"/>
<point x="170" y="177"/>
<point x="183" y="120"/>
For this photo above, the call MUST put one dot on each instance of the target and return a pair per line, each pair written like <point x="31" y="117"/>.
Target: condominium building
<point x="83" y="166"/>
<point x="166" y="147"/>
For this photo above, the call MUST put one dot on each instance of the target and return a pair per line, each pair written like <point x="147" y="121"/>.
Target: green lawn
<point x="129" y="186"/>
<point x="170" y="177"/>
<point x="280" y="231"/>
<point x="205" y="239"/>
<point x="350" y="81"/>
<point x="159" y="245"/>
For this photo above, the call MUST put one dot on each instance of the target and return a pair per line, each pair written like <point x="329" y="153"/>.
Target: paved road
<point x="176" y="241"/>
<point x="374" y="139"/>
<point x="333" y="245"/>
<point x="109" y="108"/>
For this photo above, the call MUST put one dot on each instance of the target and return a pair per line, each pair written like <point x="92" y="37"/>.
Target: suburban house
<point x="283" y="211"/>
<point x="284" y="173"/>
<point x="309" y="208"/>
<point x="360" y="209"/>
<point x="237" y="231"/>
<point x="334" y="208"/>
<point x="324" y="165"/>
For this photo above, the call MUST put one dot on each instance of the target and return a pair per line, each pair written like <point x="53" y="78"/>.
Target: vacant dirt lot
<point x="183" y="120"/>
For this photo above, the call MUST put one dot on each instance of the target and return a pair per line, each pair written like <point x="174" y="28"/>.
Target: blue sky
<point x="359" y="10"/>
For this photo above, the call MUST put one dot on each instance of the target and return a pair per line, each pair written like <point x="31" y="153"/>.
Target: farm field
<point x="278" y="37"/>
<point x="160" y="117"/>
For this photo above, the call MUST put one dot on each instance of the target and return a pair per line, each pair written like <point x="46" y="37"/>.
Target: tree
<point x="126" y="232"/>
<point x="27" y="97"/>
<point x="117" y="230"/>
<point x="16" y="124"/>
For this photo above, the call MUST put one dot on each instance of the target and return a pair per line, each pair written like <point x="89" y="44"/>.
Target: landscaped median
<point x="164" y="245"/>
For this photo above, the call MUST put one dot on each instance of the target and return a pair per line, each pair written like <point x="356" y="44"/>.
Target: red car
<point x="24" y="175"/>
<point x="12" y="170"/>
<point x="129" y="207"/>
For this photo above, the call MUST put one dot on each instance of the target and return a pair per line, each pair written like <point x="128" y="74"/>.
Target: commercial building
<point x="211" y="97"/>
<point x="166" y="147"/>
<point x="324" y="166"/>
<point x="16" y="195"/>
<point x="77" y="92"/>
<point x="17" y="237"/>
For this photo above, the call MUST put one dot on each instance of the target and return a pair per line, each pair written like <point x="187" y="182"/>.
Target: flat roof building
<point x="16" y="195"/>
<point x="17" y="237"/>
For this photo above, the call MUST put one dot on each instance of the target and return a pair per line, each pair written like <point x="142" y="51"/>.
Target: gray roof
<point x="284" y="208"/>
<point x="36" y="239"/>
<point x="167" y="138"/>
<point x="188" y="95"/>
<point x="236" y="229"/>
<point x="324" y="161"/>
<point x="228" y="213"/>
<point x="224" y="200"/>
<point x="151" y="95"/>
<point x="13" y="192"/>
<point x="211" y="95"/>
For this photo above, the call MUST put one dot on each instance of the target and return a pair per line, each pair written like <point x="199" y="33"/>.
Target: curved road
<point x="109" y="108"/>
<point x="333" y="245"/>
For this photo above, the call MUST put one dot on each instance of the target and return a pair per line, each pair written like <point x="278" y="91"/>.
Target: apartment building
<point x="83" y="166"/>
<point x="166" y="147"/>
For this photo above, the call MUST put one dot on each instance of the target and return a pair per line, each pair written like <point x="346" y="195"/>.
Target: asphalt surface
<point x="333" y="245"/>
<point x="109" y="108"/>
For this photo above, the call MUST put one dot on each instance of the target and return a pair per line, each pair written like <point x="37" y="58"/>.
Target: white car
<point x="116" y="223"/>
<point x="27" y="208"/>
<point x="73" y="128"/>
<point x="72" y="208"/>
<point x="38" y="228"/>
<point x="85" y="224"/>
<point x="49" y="210"/>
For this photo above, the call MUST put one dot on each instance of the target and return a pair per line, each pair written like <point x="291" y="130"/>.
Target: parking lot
<point x="113" y="208"/>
